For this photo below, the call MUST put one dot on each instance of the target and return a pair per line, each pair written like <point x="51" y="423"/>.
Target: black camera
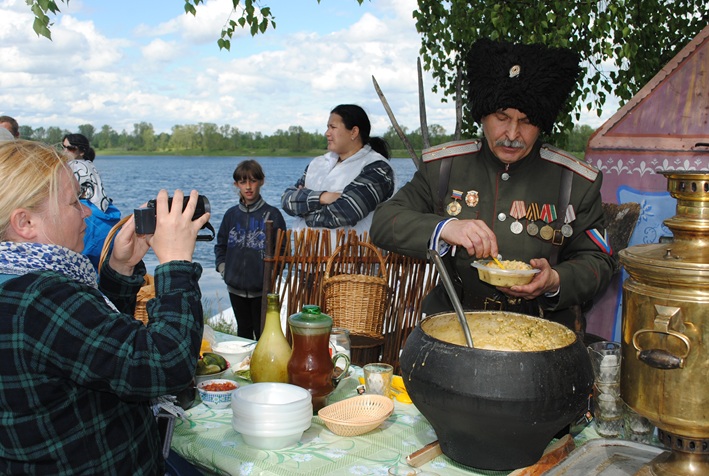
<point x="145" y="217"/>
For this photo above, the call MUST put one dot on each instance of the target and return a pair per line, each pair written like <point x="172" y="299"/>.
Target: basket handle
<point x="109" y="239"/>
<point x="331" y="259"/>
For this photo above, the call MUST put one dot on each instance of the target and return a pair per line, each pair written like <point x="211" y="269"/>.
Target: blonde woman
<point x="78" y="370"/>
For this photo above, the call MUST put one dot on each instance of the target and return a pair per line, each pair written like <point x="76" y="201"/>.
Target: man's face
<point x="509" y="134"/>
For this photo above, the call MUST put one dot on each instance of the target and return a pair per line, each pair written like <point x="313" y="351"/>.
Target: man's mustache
<point x="517" y="144"/>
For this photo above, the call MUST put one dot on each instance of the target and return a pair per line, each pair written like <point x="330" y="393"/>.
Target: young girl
<point x="240" y="247"/>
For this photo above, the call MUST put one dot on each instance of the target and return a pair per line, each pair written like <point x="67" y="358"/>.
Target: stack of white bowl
<point x="271" y="415"/>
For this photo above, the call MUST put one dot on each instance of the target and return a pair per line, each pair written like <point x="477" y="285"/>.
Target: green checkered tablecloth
<point x="208" y="440"/>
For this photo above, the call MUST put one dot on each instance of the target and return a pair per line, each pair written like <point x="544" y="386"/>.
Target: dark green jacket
<point x="405" y="223"/>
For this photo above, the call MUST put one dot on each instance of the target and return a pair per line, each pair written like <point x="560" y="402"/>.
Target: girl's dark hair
<point x="248" y="169"/>
<point x="353" y="115"/>
<point x="80" y="141"/>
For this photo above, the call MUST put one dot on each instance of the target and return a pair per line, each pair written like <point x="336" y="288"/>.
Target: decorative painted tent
<point x="664" y="127"/>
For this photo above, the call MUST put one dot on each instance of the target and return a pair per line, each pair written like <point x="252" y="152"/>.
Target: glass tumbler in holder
<point x="608" y="406"/>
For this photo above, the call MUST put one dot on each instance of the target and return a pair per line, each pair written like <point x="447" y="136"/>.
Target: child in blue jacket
<point x="240" y="248"/>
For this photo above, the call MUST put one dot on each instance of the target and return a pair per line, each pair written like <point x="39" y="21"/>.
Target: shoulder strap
<point x="567" y="177"/>
<point x="444" y="175"/>
<point x="446" y="152"/>
<point x="451" y="149"/>
<point x="568" y="161"/>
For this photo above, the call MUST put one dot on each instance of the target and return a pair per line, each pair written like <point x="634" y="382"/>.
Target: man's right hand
<point x="473" y="235"/>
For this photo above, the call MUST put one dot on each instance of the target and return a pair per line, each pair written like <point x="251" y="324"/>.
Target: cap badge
<point x="514" y="71"/>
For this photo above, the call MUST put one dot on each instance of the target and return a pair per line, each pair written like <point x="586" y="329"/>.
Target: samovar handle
<point x="661" y="358"/>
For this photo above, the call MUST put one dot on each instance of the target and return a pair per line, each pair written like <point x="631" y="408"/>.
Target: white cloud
<point x="169" y="71"/>
<point x="160" y="51"/>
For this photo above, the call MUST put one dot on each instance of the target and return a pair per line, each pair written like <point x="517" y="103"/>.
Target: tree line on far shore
<point x="212" y="139"/>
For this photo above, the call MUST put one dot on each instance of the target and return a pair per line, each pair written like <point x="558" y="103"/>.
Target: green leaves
<point x="623" y="44"/>
<point x="41" y="22"/>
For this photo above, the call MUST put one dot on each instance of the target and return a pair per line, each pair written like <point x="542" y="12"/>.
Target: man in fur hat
<point x="508" y="193"/>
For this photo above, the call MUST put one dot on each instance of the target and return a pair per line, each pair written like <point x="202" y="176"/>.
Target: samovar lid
<point x="680" y="263"/>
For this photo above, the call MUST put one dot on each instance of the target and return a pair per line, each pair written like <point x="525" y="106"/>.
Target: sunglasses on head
<point x="70" y="148"/>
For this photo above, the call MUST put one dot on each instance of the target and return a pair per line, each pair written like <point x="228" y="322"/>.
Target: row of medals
<point x="532" y="213"/>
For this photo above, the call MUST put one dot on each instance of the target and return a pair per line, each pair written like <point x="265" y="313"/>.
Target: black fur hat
<point x="535" y="79"/>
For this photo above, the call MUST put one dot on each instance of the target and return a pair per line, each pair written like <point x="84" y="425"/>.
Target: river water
<point x="131" y="181"/>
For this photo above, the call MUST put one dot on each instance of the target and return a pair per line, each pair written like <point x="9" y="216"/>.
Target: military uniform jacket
<point x="486" y="189"/>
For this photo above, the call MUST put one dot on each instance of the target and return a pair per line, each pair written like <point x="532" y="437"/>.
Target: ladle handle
<point x="448" y="284"/>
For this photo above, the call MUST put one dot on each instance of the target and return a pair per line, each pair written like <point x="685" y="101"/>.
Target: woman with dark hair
<point x="342" y="188"/>
<point x="103" y="213"/>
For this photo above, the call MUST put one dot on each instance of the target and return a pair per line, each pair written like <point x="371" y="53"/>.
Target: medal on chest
<point x="454" y="208"/>
<point x="532" y="216"/>
<point x="518" y="210"/>
<point x="471" y="198"/>
<point x="547" y="215"/>
<point x="569" y="217"/>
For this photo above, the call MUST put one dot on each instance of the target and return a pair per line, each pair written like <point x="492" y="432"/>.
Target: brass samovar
<point x="665" y="371"/>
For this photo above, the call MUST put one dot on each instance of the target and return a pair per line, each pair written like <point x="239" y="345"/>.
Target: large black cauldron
<point x="495" y="409"/>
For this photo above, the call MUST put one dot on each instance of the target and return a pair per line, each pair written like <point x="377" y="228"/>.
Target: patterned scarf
<point x="23" y="258"/>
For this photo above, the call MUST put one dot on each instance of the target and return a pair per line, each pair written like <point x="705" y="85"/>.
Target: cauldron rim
<point x="505" y="313"/>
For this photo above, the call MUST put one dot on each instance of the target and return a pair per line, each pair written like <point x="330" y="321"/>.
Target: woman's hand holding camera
<point x="128" y="249"/>
<point x="173" y="240"/>
<point x="175" y="232"/>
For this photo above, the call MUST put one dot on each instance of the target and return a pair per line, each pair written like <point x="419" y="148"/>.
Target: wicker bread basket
<point x="357" y="301"/>
<point x="147" y="292"/>
<point x="357" y="415"/>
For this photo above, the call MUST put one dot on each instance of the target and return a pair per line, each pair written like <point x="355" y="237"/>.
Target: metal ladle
<point x="448" y="284"/>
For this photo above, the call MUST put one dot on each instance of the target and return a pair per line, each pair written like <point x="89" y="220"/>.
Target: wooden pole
<point x="267" y="270"/>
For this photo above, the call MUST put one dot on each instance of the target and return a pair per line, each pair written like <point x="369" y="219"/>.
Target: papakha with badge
<point x="508" y="192"/>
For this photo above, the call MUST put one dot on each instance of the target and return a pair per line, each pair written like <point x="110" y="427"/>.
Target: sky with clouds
<point x="129" y="61"/>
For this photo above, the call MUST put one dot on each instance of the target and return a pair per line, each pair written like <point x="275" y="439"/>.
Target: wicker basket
<point x="356" y="301"/>
<point x="147" y="292"/>
<point x="357" y="415"/>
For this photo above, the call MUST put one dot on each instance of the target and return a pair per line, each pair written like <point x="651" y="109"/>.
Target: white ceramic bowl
<point x="272" y="442"/>
<point x="233" y="350"/>
<point x="265" y="415"/>
<point x="271" y="429"/>
<point x="216" y="399"/>
<point x="255" y="426"/>
<point x="271" y="397"/>
<point x="273" y="411"/>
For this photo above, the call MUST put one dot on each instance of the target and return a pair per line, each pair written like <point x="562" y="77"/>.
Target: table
<point x="209" y="442"/>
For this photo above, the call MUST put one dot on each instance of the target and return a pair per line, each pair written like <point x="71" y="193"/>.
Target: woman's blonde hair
<point x="29" y="173"/>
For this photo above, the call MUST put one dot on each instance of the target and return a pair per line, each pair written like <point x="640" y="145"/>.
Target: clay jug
<point x="269" y="361"/>
<point x="310" y="365"/>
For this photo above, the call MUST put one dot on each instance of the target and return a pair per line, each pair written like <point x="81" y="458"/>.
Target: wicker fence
<point x="343" y="273"/>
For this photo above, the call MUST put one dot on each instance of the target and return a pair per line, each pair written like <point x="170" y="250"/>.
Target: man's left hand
<point x="546" y="281"/>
